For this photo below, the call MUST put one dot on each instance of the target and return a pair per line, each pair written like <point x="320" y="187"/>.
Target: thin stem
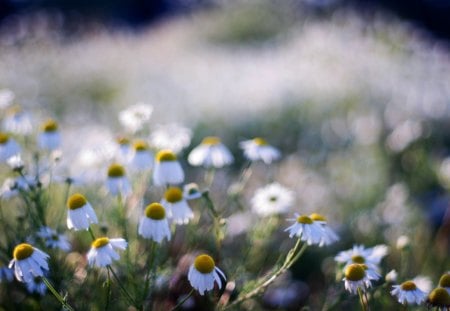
<point x="91" y="233"/>
<point x="108" y="291"/>
<point x="149" y="274"/>
<point x="215" y="216"/>
<point x="361" y="299"/>
<point x="183" y="301"/>
<point x="123" y="289"/>
<point x="57" y="295"/>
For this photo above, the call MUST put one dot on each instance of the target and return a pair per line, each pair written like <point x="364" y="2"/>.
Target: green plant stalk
<point x="183" y="301"/>
<point x="361" y="299"/>
<point x="122" y="288"/>
<point x="215" y="216"/>
<point x="57" y="295"/>
<point x="108" y="291"/>
<point x="150" y="271"/>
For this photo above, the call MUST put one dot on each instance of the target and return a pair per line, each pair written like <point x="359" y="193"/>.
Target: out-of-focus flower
<point x="17" y="121"/>
<point x="142" y="157"/>
<point x="36" y="285"/>
<point x="403" y="242"/>
<point x="153" y="224"/>
<point x="134" y="117"/>
<point x="191" y="191"/>
<point x="408" y="293"/>
<point x="6" y="273"/>
<point x="28" y="262"/>
<point x="54" y="240"/>
<point x="171" y="136"/>
<point x="371" y="257"/>
<point x="8" y="147"/>
<point x="12" y="186"/>
<point x="168" y="170"/>
<point x="102" y="251"/>
<point x="258" y="149"/>
<point x="356" y="278"/>
<point x="444" y="281"/>
<point x="80" y="213"/>
<point x="308" y="231"/>
<point x="210" y="153"/>
<point x="272" y="199"/>
<point x="117" y="183"/>
<point x="6" y="98"/>
<point x="403" y="135"/>
<point x="391" y="276"/>
<point x="50" y="138"/>
<point x="439" y="298"/>
<point x="176" y="206"/>
<point x="125" y="150"/>
<point x="330" y="236"/>
<point x="203" y="273"/>
<point x="15" y="162"/>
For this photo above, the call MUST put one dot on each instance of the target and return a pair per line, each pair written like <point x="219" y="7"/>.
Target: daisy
<point x="50" y="138"/>
<point x="6" y="273"/>
<point x="439" y="298"/>
<point x="408" y="293"/>
<point x="356" y="278"/>
<point x="444" y="281"/>
<point x="53" y="240"/>
<point x="258" y="149"/>
<point x="168" y="170"/>
<point x="191" y="191"/>
<point x="134" y="117"/>
<point x="371" y="257"/>
<point x="329" y="235"/>
<point x="171" y="136"/>
<point x="203" y="273"/>
<point x="102" y="251"/>
<point x="117" y="183"/>
<point x="124" y="151"/>
<point x="142" y="157"/>
<point x="36" y="285"/>
<point x="8" y="147"/>
<point x="11" y="187"/>
<point x="307" y="230"/>
<point x="210" y="153"/>
<point x="272" y="199"/>
<point x="177" y="207"/>
<point x="17" y="121"/>
<point x="80" y="213"/>
<point x="153" y="224"/>
<point x="28" y="262"/>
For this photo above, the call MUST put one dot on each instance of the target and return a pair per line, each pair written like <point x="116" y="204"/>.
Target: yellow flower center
<point x="204" y="264"/>
<point x="140" y="145"/>
<point x="317" y="217"/>
<point x="100" y="242"/>
<point x="444" y="281"/>
<point x="358" y="259"/>
<point x="354" y="272"/>
<point x="116" y="170"/>
<point x="173" y="195"/>
<point x="304" y="220"/>
<point x="123" y="140"/>
<point x="155" y="211"/>
<point x="76" y="200"/>
<point x="50" y="126"/>
<point x="439" y="297"/>
<point x="165" y="156"/>
<point x="22" y="251"/>
<point x="408" y="286"/>
<point x="3" y="138"/>
<point x="260" y="141"/>
<point x="211" y="140"/>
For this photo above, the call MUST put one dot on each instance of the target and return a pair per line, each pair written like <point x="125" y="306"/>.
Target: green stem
<point x="123" y="289"/>
<point x="91" y="233"/>
<point x="108" y="291"/>
<point x="150" y="273"/>
<point x="57" y="295"/>
<point x="183" y="301"/>
<point x="361" y="299"/>
<point x="215" y="216"/>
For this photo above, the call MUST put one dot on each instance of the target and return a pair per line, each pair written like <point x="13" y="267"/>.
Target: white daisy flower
<point x="141" y="158"/>
<point x="102" y="251"/>
<point x="272" y="199"/>
<point x="8" y="147"/>
<point x="6" y="98"/>
<point x="50" y="138"/>
<point x="203" y="273"/>
<point x="210" y="153"/>
<point x="117" y="183"/>
<point x="424" y="283"/>
<point x="153" y="224"/>
<point x="408" y="293"/>
<point x="444" y="281"/>
<point x="191" y="191"/>
<point x="171" y="136"/>
<point x="36" y="285"/>
<point x="28" y="262"/>
<point x="134" y="117"/>
<point x="168" y="170"/>
<point x="356" y="277"/>
<point x="80" y="213"/>
<point x="53" y="240"/>
<point x="124" y="151"/>
<point x="439" y="298"/>
<point x="176" y="206"/>
<point x="17" y="121"/>
<point x="329" y="235"/>
<point x="258" y="149"/>
<point x="371" y="257"/>
<point x="6" y="273"/>
<point x="307" y="230"/>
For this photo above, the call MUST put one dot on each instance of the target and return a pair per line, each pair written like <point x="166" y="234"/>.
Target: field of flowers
<point x="218" y="162"/>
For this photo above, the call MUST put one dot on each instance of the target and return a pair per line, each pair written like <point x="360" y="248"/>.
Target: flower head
<point x="308" y="230"/>
<point x="80" y="213"/>
<point x="153" y="224"/>
<point x="439" y="298"/>
<point x="168" y="170"/>
<point x="356" y="278"/>
<point x="272" y="199"/>
<point x="102" y="251"/>
<point x="134" y="117"/>
<point x="408" y="293"/>
<point x="172" y="136"/>
<point x="191" y="191"/>
<point x="371" y="257"/>
<point x="117" y="183"/>
<point x="203" y="273"/>
<point x="28" y="262"/>
<point x="142" y="157"/>
<point x="329" y="236"/>
<point x="258" y="149"/>
<point x="177" y="207"/>
<point x="49" y="138"/>
<point x="210" y="153"/>
<point x="8" y="147"/>
<point x="444" y="281"/>
<point x="53" y="240"/>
